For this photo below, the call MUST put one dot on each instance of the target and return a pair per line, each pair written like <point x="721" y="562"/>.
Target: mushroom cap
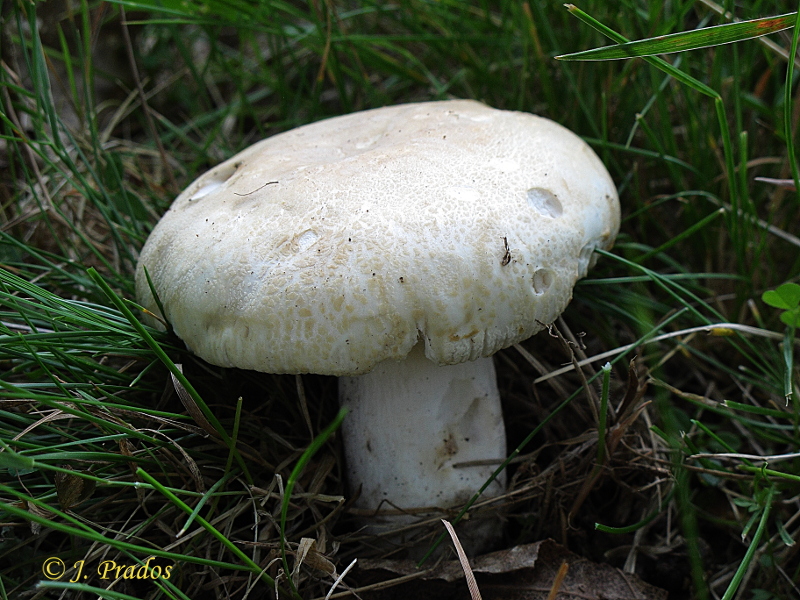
<point x="337" y="245"/>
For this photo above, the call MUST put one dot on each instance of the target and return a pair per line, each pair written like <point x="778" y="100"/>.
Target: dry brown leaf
<point x="71" y="489"/>
<point x="308" y="554"/>
<point x="525" y="572"/>
<point x="36" y="527"/>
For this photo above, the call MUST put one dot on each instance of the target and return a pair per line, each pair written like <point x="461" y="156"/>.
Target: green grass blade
<point x="788" y="107"/>
<point x="307" y="455"/>
<point x="735" y="218"/>
<point x="636" y="526"/>
<point x="655" y="61"/>
<point x="683" y="235"/>
<point x="83" y="587"/>
<point x="788" y="361"/>
<point x="688" y="40"/>
<point x="233" y="548"/>
<point x="172" y="368"/>
<point x="82" y="530"/>
<point x="771" y="473"/>
<point x="751" y="549"/>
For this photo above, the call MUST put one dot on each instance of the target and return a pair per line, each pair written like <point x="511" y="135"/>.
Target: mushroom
<point x="398" y="249"/>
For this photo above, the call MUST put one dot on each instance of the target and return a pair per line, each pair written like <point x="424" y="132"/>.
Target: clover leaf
<point x="786" y="297"/>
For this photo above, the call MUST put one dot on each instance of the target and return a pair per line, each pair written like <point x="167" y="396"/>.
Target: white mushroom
<point x="381" y="246"/>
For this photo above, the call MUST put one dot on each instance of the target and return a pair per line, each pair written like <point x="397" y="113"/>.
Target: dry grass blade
<point x="190" y="405"/>
<point x="714" y="329"/>
<point x="462" y="557"/>
<point x="633" y="391"/>
<point x="143" y="97"/>
<point x="340" y="578"/>
<point x="303" y="548"/>
<point x="786" y="184"/>
<point x="194" y="470"/>
<point x="562" y="573"/>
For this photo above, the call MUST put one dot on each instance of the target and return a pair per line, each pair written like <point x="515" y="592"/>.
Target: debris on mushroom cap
<point x="334" y="246"/>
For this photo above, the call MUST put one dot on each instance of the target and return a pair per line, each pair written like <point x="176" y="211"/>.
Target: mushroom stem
<point x="411" y="423"/>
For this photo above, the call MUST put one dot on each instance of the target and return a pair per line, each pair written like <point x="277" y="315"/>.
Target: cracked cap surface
<point x="337" y="245"/>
